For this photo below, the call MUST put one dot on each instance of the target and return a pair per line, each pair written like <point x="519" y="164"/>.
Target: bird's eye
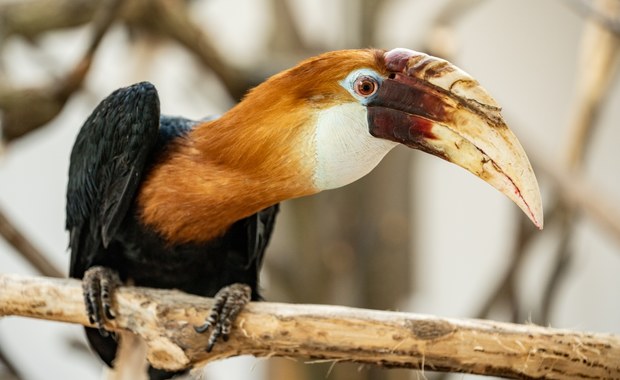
<point x="365" y="86"/>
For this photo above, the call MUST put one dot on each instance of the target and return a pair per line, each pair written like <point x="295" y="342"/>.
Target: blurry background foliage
<point x="417" y="234"/>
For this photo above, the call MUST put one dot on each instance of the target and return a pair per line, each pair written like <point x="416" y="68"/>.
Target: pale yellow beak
<point x="429" y="104"/>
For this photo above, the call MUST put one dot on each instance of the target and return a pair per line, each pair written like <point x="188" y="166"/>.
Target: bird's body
<point x="138" y="253"/>
<point x="143" y="256"/>
<point x="172" y="203"/>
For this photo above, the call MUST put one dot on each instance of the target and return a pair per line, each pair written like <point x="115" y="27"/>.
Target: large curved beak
<point x="429" y="104"/>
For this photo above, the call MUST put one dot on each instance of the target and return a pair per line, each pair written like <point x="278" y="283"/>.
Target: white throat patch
<point x="345" y="150"/>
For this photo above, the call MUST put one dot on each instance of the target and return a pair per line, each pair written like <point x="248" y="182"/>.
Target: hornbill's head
<point x="353" y="106"/>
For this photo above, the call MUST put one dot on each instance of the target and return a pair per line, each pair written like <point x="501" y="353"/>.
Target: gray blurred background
<point x="417" y="234"/>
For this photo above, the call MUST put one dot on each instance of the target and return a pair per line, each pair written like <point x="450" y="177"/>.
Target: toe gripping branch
<point x="228" y="303"/>
<point x="98" y="286"/>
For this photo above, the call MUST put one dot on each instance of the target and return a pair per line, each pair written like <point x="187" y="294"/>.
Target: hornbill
<point x="168" y="202"/>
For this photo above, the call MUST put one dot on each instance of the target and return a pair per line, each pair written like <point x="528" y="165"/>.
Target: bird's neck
<point x="223" y="171"/>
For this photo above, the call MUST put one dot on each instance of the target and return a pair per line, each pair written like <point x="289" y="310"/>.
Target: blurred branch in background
<point x="580" y="194"/>
<point x="17" y="240"/>
<point x="168" y="18"/>
<point x="285" y="35"/>
<point x="598" y="12"/>
<point x="441" y="39"/>
<point x="31" y="18"/>
<point x="596" y="70"/>
<point x="172" y="19"/>
<point x="19" y="117"/>
<point x="7" y="370"/>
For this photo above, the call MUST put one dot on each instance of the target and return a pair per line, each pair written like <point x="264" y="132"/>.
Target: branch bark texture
<point x="165" y="320"/>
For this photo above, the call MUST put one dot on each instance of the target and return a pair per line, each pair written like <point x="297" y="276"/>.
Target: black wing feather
<point x="108" y="161"/>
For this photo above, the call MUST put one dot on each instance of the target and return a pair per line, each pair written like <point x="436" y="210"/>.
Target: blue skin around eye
<point x="348" y="82"/>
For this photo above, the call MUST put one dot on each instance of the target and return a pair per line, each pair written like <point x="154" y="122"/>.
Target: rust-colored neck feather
<point x="228" y="169"/>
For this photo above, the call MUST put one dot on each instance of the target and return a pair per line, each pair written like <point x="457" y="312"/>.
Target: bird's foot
<point x="98" y="286"/>
<point x="228" y="303"/>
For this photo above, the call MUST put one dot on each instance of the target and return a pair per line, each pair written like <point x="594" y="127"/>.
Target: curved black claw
<point x="98" y="285"/>
<point x="228" y="303"/>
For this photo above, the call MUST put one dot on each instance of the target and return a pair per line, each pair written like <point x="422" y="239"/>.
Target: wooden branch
<point x="165" y="320"/>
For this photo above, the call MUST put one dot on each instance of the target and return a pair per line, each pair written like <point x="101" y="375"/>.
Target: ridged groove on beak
<point x="444" y="75"/>
<point x="466" y="126"/>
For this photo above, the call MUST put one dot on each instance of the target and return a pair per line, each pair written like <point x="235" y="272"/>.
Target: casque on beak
<point x="429" y="104"/>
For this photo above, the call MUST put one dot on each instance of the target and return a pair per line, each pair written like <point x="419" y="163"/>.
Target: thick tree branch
<point x="165" y="320"/>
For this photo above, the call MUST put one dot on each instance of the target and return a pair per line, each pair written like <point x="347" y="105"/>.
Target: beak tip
<point x="538" y="222"/>
<point x="538" y="219"/>
<point x="534" y="211"/>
